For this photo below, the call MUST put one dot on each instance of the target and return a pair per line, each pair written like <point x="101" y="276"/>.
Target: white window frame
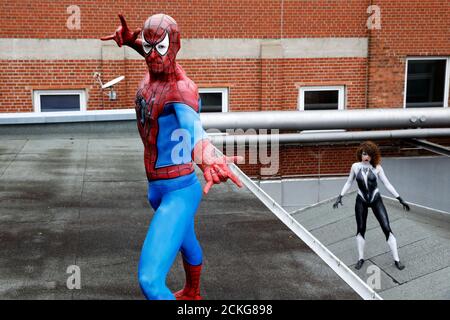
<point x="37" y="99"/>
<point x="340" y="89"/>
<point x="447" y="77"/>
<point x="223" y="91"/>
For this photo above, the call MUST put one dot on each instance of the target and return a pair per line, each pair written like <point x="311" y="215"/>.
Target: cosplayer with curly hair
<point x="367" y="171"/>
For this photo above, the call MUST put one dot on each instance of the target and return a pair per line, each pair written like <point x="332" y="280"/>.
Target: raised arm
<point x="124" y="36"/>
<point x="391" y="188"/>
<point x="347" y="185"/>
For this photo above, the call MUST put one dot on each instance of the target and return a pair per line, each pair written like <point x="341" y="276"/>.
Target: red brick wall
<point x="350" y="72"/>
<point x="249" y="88"/>
<point x="326" y="160"/>
<point x="241" y="76"/>
<point x="197" y="18"/>
<point x="409" y="28"/>
<point x="324" y="18"/>
<point x="315" y="160"/>
<point x="20" y="78"/>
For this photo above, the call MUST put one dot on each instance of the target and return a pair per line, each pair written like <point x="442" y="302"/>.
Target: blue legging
<point x="175" y="202"/>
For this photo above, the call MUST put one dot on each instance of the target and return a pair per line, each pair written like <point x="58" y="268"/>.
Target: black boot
<point x="359" y="264"/>
<point x="399" y="265"/>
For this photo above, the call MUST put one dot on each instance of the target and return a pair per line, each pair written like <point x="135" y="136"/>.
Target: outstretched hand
<point x="218" y="171"/>
<point x="123" y="35"/>
<point x="404" y="204"/>
<point x="338" y="201"/>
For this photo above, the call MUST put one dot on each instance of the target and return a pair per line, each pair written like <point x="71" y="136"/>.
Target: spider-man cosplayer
<point x="167" y="110"/>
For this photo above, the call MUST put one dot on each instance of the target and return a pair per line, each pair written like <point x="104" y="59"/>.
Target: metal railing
<point x="341" y="269"/>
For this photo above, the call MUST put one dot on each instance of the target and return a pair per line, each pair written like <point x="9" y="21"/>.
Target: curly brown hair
<point x="372" y="150"/>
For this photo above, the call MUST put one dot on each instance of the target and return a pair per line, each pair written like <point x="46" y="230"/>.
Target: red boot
<point x="191" y="289"/>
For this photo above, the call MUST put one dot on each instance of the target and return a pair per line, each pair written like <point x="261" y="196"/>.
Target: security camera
<point x="109" y="85"/>
<point x="113" y="82"/>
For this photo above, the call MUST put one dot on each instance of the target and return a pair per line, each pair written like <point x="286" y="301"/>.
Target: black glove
<point x="405" y="205"/>
<point x="338" y="200"/>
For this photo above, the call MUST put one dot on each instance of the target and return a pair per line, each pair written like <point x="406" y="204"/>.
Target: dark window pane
<point x="321" y="100"/>
<point x="211" y="102"/>
<point x="69" y="102"/>
<point x="426" y="83"/>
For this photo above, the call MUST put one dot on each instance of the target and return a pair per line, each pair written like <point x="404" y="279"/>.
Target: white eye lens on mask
<point x="146" y="46"/>
<point x="163" y="46"/>
<point x="147" y="49"/>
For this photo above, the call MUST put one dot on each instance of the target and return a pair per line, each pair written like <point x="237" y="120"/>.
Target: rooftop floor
<point x="81" y="200"/>
<point x="423" y="237"/>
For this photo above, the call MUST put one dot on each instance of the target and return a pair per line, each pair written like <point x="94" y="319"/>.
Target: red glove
<point x="215" y="168"/>
<point x="123" y="36"/>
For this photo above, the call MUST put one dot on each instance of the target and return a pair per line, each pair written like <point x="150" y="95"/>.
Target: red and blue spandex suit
<point x="167" y="110"/>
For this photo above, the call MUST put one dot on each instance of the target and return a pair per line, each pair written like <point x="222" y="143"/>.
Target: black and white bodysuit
<point x="367" y="178"/>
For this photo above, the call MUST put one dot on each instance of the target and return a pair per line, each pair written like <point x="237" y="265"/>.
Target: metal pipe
<point x="329" y="119"/>
<point x="330" y="136"/>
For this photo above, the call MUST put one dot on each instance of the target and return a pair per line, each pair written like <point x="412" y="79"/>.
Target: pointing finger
<point x="208" y="178"/>
<point x="235" y="179"/>
<point x="207" y="187"/>
<point x="123" y="21"/>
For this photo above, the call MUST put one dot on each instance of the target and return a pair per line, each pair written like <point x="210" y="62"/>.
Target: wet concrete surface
<point x="81" y="200"/>
<point x="423" y="238"/>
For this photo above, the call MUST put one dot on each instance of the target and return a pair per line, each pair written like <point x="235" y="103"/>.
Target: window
<point x="321" y="98"/>
<point x="426" y="82"/>
<point x="214" y="99"/>
<point x="59" y="100"/>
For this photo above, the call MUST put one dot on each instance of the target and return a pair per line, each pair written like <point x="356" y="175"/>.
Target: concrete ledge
<point x="236" y="48"/>
<point x="63" y="117"/>
<point x="91" y="129"/>
<point x="424" y="211"/>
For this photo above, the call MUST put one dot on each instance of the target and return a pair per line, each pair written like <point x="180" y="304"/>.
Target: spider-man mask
<point x="161" y="42"/>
